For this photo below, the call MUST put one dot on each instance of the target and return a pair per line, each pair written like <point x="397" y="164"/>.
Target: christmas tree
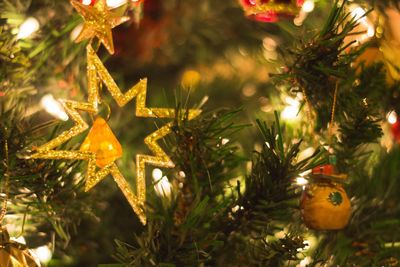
<point x="199" y="133"/>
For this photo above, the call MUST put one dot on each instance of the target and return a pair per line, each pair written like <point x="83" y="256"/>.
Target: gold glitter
<point x="291" y="8"/>
<point x="97" y="74"/>
<point x="98" y="22"/>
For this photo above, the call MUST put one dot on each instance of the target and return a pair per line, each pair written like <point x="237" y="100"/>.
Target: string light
<point x="28" y="27"/>
<point x="53" y="107"/>
<point x="301" y="180"/>
<point x="365" y="24"/>
<point x="75" y="32"/>
<point x="249" y="90"/>
<point x="44" y="254"/>
<point x="162" y="186"/>
<point x="224" y="141"/>
<point x="358" y="13"/>
<point x="308" y="6"/>
<point x="115" y="3"/>
<point x="392" y="117"/>
<point x="19" y="239"/>
<point x="291" y="110"/>
<point x="305" y="262"/>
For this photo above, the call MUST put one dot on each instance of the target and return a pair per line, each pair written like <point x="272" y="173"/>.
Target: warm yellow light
<point x="291" y="110"/>
<point x="358" y="13"/>
<point x="53" y="107"/>
<point x="75" y="32"/>
<point x="162" y="186"/>
<point x="392" y="117"/>
<point x="305" y="262"/>
<point x="269" y="44"/>
<point x="308" y="6"/>
<point x="301" y="181"/>
<point x="224" y="141"/>
<point x="44" y="254"/>
<point x="19" y="239"/>
<point x="115" y="3"/>
<point x="157" y="174"/>
<point x="289" y="113"/>
<point x="27" y="28"/>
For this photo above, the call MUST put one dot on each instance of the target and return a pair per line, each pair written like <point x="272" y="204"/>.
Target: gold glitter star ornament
<point x="98" y="22"/>
<point x="101" y="138"/>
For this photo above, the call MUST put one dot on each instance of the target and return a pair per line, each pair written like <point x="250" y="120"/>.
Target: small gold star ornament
<point x="101" y="148"/>
<point x="98" y="22"/>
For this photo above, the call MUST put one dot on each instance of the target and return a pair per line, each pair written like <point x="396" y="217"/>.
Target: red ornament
<point x="396" y="131"/>
<point x="327" y="169"/>
<point x="271" y="10"/>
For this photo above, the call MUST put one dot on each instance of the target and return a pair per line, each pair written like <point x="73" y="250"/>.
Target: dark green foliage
<point x="46" y="190"/>
<point x="195" y="228"/>
<point x="181" y="230"/>
<point x="14" y="63"/>
<point x="320" y="63"/>
<point x="269" y="201"/>
<point x="218" y="213"/>
<point x="49" y="188"/>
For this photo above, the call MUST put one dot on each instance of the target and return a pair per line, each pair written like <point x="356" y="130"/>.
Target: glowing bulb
<point x="306" y="153"/>
<point x="75" y="32"/>
<point x="249" y="90"/>
<point x="370" y="31"/>
<point x="157" y="174"/>
<point x="358" y="13"/>
<point x="20" y="239"/>
<point x="235" y="209"/>
<point x="301" y="181"/>
<point x="115" y="3"/>
<point x="289" y="113"/>
<point x="392" y="117"/>
<point x="86" y="2"/>
<point x="44" y="254"/>
<point x="53" y="107"/>
<point x="308" y="6"/>
<point x="28" y="27"/>
<point x="305" y="262"/>
<point x="269" y="44"/>
<point x="306" y="244"/>
<point x="280" y="234"/>
<point x="224" y="141"/>
<point x="163" y="187"/>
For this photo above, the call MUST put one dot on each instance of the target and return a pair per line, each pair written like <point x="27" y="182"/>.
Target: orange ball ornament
<point x="324" y="204"/>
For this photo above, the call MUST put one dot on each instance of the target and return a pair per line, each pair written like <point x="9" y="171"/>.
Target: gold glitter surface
<point x="291" y="8"/>
<point x="97" y="74"/>
<point x="98" y="22"/>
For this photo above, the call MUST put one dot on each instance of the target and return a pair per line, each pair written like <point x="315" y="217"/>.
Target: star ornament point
<point x="98" y="22"/>
<point x="102" y="164"/>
